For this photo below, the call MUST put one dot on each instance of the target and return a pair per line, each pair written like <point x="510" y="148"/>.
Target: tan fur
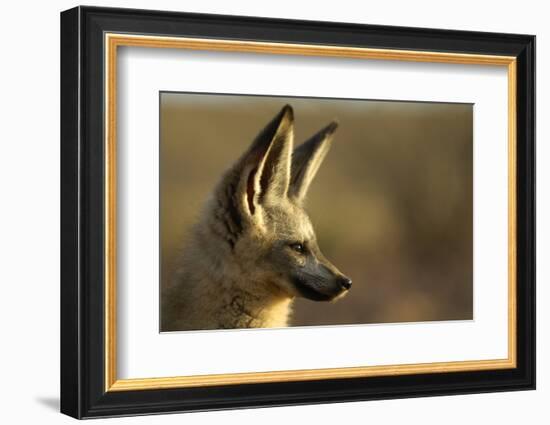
<point x="234" y="268"/>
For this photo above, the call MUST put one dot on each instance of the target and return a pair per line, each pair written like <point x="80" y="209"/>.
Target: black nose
<point x="345" y="282"/>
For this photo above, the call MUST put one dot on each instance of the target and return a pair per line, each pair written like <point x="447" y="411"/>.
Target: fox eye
<point x="298" y="247"/>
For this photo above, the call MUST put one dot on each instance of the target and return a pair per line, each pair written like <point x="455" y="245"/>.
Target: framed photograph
<point x="261" y="212"/>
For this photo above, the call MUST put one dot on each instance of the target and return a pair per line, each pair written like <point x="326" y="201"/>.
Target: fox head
<point x="259" y="208"/>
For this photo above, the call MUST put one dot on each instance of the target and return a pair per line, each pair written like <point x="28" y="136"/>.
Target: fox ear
<point x="306" y="160"/>
<point x="264" y="170"/>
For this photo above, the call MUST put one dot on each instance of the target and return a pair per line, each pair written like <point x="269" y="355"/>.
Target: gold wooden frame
<point x="113" y="41"/>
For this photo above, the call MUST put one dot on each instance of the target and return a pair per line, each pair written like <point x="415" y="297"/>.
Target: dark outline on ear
<point x="238" y="192"/>
<point x="271" y="151"/>
<point x="306" y="160"/>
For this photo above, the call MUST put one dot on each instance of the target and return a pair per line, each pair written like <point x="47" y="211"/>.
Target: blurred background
<point x="391" y="204"/>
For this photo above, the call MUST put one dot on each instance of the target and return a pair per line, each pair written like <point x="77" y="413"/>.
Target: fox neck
<point x="238" y="308"/>
<point x="210" y="292"/>
<point x="238" y="301"/>
<point x="219" y="302"/>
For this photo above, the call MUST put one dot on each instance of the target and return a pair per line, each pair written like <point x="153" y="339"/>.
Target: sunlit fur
<point x="253" y="249"/>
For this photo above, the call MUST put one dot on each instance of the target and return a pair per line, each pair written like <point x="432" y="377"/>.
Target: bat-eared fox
<point x="253" y="249"/>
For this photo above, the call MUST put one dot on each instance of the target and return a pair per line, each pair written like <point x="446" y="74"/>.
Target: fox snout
<point x="321" y="281"/>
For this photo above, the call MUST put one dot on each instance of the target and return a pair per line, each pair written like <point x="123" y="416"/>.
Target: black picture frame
<point x="83" y="392"/>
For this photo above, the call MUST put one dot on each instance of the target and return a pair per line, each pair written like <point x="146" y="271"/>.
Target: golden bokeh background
<point x="391" y="203"/>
